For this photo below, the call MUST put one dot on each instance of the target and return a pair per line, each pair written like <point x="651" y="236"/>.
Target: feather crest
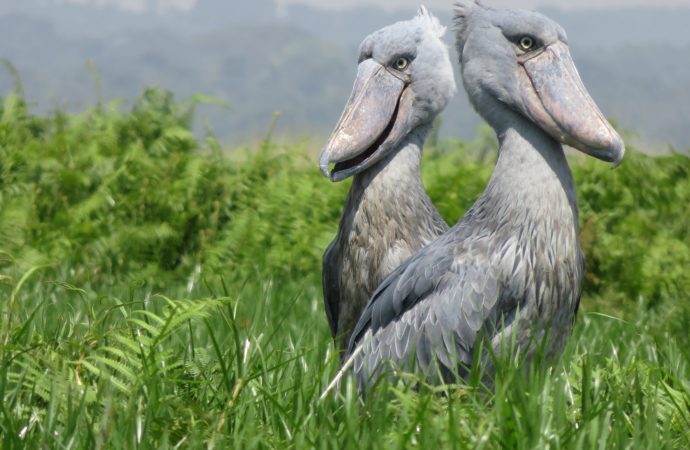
<point x="462" y="9"/>
<point x="431" y="21"/>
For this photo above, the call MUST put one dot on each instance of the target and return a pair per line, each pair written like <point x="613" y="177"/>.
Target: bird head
<point x="404" y="79"/>
<point x="516" y="61"/>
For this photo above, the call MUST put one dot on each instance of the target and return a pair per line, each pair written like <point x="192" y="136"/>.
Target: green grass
<point x="155" y="292"/>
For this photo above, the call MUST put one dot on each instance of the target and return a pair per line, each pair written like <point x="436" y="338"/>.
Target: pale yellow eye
<point x="402" y="63"/>
<point x="526" y="42"/>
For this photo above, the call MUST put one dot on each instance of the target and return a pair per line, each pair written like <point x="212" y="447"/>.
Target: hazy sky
<point x="162" y="5"/>
<point x="141" y="5"/>
<point x="396" y="4"/>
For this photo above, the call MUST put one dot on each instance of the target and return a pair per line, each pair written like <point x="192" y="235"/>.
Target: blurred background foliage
<point x="106" y="212"/>
<point x="115" y="196"/>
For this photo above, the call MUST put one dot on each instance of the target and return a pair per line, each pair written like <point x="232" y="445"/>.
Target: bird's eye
<point x="526" y="42"/>
<point x="401" y="63"/>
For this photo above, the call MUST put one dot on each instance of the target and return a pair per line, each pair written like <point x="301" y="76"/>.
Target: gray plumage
<point x="512" y="267"/>
<point x="387" y="218"/>
<point x="388" y="215"/>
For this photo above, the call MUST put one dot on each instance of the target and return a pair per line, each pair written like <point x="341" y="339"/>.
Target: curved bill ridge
<point x="366" y="120"/>
<point x="556" y="99"/>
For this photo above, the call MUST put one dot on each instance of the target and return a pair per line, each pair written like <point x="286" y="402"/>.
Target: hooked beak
<point x="555" y="98"/>
<point x="376" y="116"/>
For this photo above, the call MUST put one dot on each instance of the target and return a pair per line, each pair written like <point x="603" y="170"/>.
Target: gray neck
<point x="396" y="176"/>
<point x="531" y="183"/>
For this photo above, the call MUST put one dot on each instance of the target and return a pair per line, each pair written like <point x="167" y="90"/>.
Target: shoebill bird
<point x="404" y="79"/>
<point x="512" y="267"/>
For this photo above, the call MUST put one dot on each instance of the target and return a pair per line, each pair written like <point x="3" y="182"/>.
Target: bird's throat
<point x="532" y="181"/>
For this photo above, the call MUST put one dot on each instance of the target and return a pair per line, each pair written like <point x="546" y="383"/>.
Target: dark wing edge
<point x="331" y="288"/>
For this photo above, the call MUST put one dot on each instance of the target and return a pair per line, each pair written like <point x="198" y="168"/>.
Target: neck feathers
<point x="532" y="185"/>
<point x="392" y="184"/>
<point x="388" y="202"/>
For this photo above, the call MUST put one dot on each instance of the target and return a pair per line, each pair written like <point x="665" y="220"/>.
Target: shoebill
<point x="511" y="270"/>
<point x="404" y="80"/>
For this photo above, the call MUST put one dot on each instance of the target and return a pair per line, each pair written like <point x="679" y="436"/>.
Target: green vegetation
<point x="155" y="292"/>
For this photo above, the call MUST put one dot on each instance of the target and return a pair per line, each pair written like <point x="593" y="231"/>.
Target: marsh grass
<point x="155" y="293"/>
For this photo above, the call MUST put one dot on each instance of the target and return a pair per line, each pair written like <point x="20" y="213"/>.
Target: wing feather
<point x="331" y="287"/>
<point x="431" y="309"/>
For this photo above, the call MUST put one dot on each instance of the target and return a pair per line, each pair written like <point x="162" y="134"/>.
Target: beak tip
<point x="323" y="165"/>
<point x="324" y="171"/>
<point x="618" y="153"/>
